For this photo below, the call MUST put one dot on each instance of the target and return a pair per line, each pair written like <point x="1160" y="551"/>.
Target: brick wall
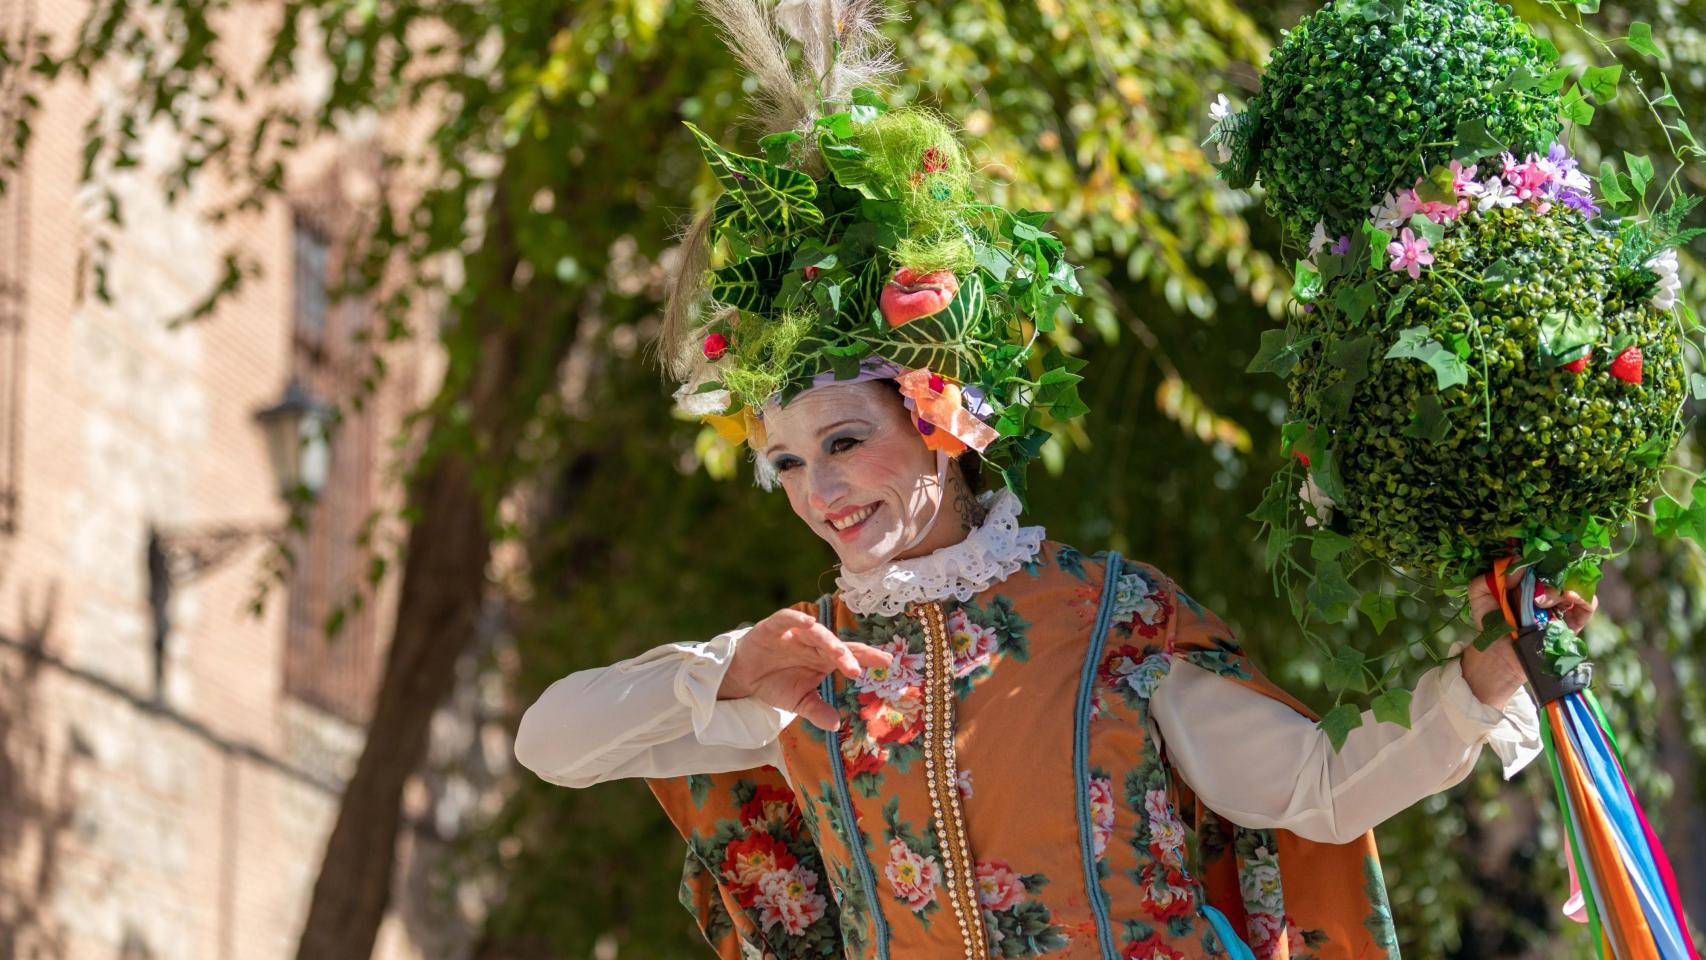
<point x="167" y="800"/>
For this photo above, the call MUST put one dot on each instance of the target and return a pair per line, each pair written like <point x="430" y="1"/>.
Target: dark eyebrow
<point x="820" y="433"/>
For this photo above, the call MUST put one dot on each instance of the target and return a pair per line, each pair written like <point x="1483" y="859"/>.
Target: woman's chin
<point x="866" y="553"/>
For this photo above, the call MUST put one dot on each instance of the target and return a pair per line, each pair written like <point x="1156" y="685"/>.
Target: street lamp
<point x="296" y="434"/>
<point x="295" y="429"/>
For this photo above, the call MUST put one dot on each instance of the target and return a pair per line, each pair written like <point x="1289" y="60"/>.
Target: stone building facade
<point x="170" y="760"/>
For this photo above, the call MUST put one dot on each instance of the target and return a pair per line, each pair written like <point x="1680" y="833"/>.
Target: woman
<point x="1020" y="616"/>
<point x="983" y="743"/>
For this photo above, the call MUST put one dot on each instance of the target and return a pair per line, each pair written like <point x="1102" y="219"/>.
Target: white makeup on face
<point x="855" y="469"/>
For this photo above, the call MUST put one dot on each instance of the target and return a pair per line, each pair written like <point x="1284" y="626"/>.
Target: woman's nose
<point x="827" y="487"/>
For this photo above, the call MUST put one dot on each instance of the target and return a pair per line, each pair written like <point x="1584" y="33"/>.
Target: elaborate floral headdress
<point x="855" y="248"/>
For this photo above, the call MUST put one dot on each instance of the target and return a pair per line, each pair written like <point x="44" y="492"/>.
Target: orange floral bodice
<point x="1000" y="791"/>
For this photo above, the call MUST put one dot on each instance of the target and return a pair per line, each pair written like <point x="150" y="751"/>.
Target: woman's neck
<point x="959" y="516"/>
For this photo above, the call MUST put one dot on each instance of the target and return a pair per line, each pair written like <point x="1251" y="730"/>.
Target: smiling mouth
<point x="847" y="525"/>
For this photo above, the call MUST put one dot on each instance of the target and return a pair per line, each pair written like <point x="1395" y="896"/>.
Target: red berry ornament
<point x="937" y="383"/>
<point x="1627" y="366"/>
<point x="1577" y="365"/>
<point x="715" y="346"/>
<point x="811" y="273"/>
<point x="935" y="160"/>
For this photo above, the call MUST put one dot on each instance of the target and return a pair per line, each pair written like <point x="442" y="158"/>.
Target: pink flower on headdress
<point x="1410" y="252"/>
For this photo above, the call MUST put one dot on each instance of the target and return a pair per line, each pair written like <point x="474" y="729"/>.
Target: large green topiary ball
<point x="1349" y="100"/>
<point x="1427" y="487"/>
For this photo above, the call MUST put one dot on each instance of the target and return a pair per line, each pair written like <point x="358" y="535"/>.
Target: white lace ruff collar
<point x="988" y="555"/>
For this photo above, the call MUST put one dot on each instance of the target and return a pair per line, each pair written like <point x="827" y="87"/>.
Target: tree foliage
<point x="554" y="173"/>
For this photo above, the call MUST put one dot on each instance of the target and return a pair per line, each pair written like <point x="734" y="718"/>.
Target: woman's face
<point x="854" y="468"/>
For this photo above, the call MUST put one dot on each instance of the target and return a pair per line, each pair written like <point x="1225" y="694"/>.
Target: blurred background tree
<point x="546" y="203"/>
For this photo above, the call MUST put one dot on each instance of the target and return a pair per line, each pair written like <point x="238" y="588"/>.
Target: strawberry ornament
<point x="1627" y="366"/>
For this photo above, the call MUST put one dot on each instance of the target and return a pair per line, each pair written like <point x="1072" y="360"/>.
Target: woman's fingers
<point x="816" y="645"/>
<point x="870" y="656"/>
<point x="818" y="712"/>
<point x="1569" y="604"/>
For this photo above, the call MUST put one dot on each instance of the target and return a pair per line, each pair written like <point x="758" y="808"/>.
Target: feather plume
<point x="686" y="291"/>
<point x="751" y="34"/>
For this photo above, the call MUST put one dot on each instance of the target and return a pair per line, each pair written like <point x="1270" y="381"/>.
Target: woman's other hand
<point x="784" y="658"/>
<point x="1495" y="674"/>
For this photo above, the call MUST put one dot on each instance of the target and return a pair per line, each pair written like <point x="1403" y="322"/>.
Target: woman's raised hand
<point x="1495" y="674"/>
<point x="784" y="657"/>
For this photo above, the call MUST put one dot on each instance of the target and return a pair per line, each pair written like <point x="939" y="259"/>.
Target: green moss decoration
<point x="1564" y="447"/>
<point x="1350" y="101"/>
<point x="913" y="155"/>
<point x="761" y="355"/>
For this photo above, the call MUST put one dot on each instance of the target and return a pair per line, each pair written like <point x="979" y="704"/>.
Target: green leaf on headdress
<point x="776" y="197"/>
<point x="731" y="217"/>
<point x="938" y="342"/>
<point x="846" y="163"/>
<point x="751" y="284"/>
<point x="778" y="147"/>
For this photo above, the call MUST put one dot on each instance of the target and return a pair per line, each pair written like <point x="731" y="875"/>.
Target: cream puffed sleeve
<point x="654" y="715"/>
<point x="1259" y="763"/>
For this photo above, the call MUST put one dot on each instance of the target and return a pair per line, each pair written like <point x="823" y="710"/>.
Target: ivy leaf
<point x="1475" y="141"/>
<point x="1324" y="470"/>
<point x="1393" y="706"/>
<point x="1651" y="452"/>
<point x="1438" y="186"/>
<point x="1379" y="608"/>
<point x="1668" y="516"/>
<point x="1377" y="241"/>
<point x="1306" y="286"/>
<point x="1428" y="420"/>
<point x="1576" y="107"/>
<point x="1331" y="594"/>
<point x="1276" y="502"/>
<point x="1415" y="343"/>
<point x="1697" y="386"/>
<point x="1519" y="80"/>
<point x="778" y="147"/>
<point x="1351" y="357"/>
<point x="1327" y="545"/>
<point x="1583" y="576"/>
<point x="1356" y="301"/>
<point x="1278" y="353"/>
<point x="1401" y="298"/>
<point x="1338" y="723"/>
<point x="1601" y="82"/>
<point x="1492" y="629"/>
<point x="1640" y="172"/>
<point x="1609" y="186"/>
<point x="1278" y="540"/>
<point x="1498" y="274"/>
<point x="1344" y="671"/>
<point x="1565" y="336"/>
<point x="1641" y="40"/>
<point x="1427" y="229"/>
<point x="1554" y="81"/>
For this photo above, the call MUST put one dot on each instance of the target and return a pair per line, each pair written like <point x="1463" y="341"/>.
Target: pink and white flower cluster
<point x="913" y="876"/>
<point x="974" y="645"/>
<point x="1101" y="813"/>
<point x="789" y="898"/>
<point x="1538" y="181"/>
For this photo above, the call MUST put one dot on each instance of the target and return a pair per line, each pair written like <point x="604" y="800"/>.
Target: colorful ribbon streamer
<point x="1618" y="870"/>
